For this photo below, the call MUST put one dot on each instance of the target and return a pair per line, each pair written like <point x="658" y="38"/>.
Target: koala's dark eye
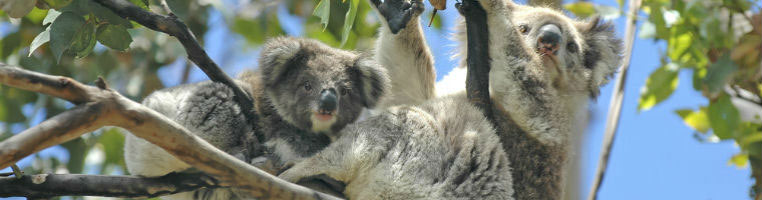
<point x="524" y="29"/>
<point x="572" y="47"/>
<point x="344" y="91"/>
<point x="307" y="86"/>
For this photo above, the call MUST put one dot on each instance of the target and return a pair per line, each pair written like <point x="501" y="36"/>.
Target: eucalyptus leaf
<point x="52" y="15"/>
<point x="698" y="120"/>
<point x="659" y="86"/>
<point x="114" y="36"/>
<point x="718" y="74"/>
<point x="84" y="40"/>
<point x="349" y="20"/>
<point x="323" y="11"/>
<point x="724" y="117"/>
<point x="581" y="8"/>
<point x="62" y="32"/>
<point x="38" y="41"/>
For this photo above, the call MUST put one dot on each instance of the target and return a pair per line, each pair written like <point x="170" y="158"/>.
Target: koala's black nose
<point x="328" y="101"/>
<point x="550" y="36"/>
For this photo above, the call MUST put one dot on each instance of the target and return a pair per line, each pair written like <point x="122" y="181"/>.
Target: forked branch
<point x="100" y="106"/>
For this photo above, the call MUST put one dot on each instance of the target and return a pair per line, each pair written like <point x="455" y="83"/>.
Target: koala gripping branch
<point x="100" y="106"/>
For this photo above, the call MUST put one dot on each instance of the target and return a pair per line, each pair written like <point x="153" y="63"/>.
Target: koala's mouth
<point x="324" y="115"/>
<point x="322" y="121"/>
<point x="548" y="56"/>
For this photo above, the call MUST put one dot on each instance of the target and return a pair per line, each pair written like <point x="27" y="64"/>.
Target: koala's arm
<point x="404" y="52"/>
<point x="519" y="81"/>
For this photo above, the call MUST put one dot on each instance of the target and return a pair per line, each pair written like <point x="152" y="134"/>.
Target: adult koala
<point x="304" y="93"/>
<point x="545" y="67"/>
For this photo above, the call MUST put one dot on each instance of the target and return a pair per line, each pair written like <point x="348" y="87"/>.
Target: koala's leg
<point x="401" y="48"/>
<point x="519" y="83"/>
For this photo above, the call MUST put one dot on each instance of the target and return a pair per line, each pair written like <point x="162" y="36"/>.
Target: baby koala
<point x="416" y="152"/>
<point x="304" y="93"/>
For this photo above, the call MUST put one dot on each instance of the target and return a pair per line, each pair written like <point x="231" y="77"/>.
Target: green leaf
<point x="323" y="11"/>
<point x="659" y="86"/>
<point x="679" y="45"/>
<point x="36" y="15"/>
<point x="724" y="117"/>
<point x="52" y="15"/>
<point x="114" y="36"/>
<point x="739" y="160"/>
<point x="349" y="20"/>
<point x="17" y="8"/>
<point x="581" y="8"/>
<point x="57" y="4"/>
<point x="749" y="133"/>
<point x="718" y="74"/>
<point x="84" y="40"/>
<point x="38" y="41"/>
<point x="62" y="32"/>
<point x="698" y="120"/>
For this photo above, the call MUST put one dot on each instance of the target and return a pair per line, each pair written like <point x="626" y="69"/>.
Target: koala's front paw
<point x="398" y="13"/>
<point x="291" y="175"/>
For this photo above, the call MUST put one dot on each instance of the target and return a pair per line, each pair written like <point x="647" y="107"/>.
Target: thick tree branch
<point x="52" y="185"/>
<point x="477" y="60"/>
<point x="615" y="107"/>
<point x="105" y="107"/>
<point x="173" y="26"/>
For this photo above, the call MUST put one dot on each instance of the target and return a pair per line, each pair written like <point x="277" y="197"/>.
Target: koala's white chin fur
<point x="322" y="126"/>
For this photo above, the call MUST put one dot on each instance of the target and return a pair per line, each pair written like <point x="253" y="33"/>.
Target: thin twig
<point x="52" y="185"/>
<point x="16" y="171"/>
<point x="106" y="107"/>
<point x="173" y="26"/>
<point x="615" y="107"/>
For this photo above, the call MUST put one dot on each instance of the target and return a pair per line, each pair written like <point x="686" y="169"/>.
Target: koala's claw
<point x="399" y="12"/>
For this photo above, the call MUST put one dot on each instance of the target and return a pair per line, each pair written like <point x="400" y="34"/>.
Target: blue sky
<point x="655" y="155"/>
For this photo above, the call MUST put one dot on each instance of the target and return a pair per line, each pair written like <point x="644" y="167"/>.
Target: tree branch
<point x="51" y="185"/>
<point x="173" y="26"/>
<point x="105" y="107"/>
<point x="477" y="60"/>
<point x="615" y="107"/>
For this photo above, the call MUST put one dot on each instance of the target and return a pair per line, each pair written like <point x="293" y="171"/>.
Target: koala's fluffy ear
<point x="603" y="52"/>
<point x="277" y="57"/>
<point x="371" y="80"/>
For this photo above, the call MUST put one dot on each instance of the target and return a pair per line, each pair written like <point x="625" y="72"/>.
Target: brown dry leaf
<point x="439" y="4"/>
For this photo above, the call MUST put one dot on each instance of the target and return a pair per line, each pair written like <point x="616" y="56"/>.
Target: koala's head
<point x="319" y="88"/>
<point x="584" y="54"/>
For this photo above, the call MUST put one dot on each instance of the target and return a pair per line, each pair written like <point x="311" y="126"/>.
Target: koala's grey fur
<point x="540" y="101"/>
<point x="442" y="149"/>
<point x="286" y="128"/>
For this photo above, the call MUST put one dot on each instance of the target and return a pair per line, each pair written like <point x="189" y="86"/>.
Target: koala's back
<point x="208" y="110"/>
<point x="444" y="149"/>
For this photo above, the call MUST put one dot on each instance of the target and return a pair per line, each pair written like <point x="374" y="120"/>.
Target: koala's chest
<point x="287" y="144"/>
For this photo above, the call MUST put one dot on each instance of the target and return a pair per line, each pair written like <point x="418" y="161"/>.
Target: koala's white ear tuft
<point x="276" y="55"/>
<point x="372" y="80"/>
<point x="602" y="52"/>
